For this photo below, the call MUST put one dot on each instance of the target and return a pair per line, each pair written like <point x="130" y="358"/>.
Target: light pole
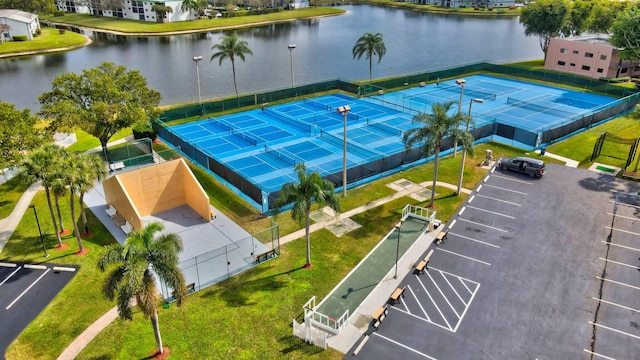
<point x="44" y="248"/>
<point x="464" y="151"/>
<point x="460" y="82"/>
<point x="291" y="47"/>
<point x="197" y="59"/>
<point x="398" y="225"/>
<point x="344" y="110"/>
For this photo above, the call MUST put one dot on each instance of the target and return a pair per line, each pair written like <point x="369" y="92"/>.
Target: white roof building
<point x="19" y="22"/>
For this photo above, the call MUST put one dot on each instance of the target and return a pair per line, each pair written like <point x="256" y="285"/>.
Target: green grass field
<point x="49" y="39"/>
<point x="10" y="193"/>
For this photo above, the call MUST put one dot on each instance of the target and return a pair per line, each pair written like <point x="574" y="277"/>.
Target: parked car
<point x="525" y="165"/>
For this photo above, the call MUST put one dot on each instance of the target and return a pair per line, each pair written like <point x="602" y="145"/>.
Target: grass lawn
<point x="446" y="10"/>
<point x="87" y="141"/>
<point x="10" y="193"/>
<point x="49" y="39"/>
<point x="134" y="26"/>
<point x="579" y="147"/>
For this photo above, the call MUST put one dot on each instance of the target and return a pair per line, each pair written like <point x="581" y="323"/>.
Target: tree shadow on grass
<point x="293" y="343"/>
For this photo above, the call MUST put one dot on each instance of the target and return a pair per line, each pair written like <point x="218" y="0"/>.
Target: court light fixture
<point x="197" y="59"/>
<point x="291" y="47"/>
<point x="464" y="151"/>
<point x="344" y="110"/>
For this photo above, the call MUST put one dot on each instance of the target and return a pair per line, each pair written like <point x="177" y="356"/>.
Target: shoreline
<point x="87" y="41"/>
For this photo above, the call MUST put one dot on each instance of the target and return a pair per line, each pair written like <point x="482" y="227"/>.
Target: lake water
<point x="415" y="42"/>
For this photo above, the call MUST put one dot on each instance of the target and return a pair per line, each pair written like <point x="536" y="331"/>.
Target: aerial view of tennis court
<point x="256" y="151"/>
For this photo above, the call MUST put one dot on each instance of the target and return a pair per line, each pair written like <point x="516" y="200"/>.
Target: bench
<point x="395" y="297"/>
<point x="423" y="84"/>
<point x="127" y="228"/>
<point x="442" y="235"/>
<point x="266" y="255"/>
<point x="116" y="166"/>
<point x="631" y="175"/>
<point x="421" y="266"/>
<point x="111" y="211"/>
<point x="213" y="214"/>
<point x="380" y="92"/>
<point x="379" y="315"/>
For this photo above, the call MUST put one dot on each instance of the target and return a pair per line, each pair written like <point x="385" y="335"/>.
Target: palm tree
<point x="142" y="256"/>
<point x="94" y="169"/>
<point x="161" y="11"/>
<point x="310" y="187"/>
<point x="436" y="127"/>
<point x="369" y="45"/>
<point x="42" y="165"/>
<point x="190" y="5"/>
<point x="59" y="189"/>
<point x="73" y="178"/>
<point x="230" y="48"/>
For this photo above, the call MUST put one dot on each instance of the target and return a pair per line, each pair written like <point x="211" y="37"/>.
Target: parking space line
<point x="444" y="296"/>
<point x="618" y="216"/>
<point x="505" y="189"/>
<point x="478" y="241"/>
<point x="512" y="179"/>
<point x="502" y="201"/>
<point x="404" y="346"/>
<point x="456" y="276"/>
<point x="620" y="203"/>
<point x="619" y="263"/>
<point x="480" y="224"/>
<point x="462" y="211"/>
<point x="618" y="283"/>
<point x="622" y="246"/>
<point x="27" y="289"/>
<point x="464" y="256"/>
<point x="455" y="291"/>
<point x="615" y="330"/>
<point x="421" y="319"/>
<point x="419" y="303"/>
<point x="600" y="355"/>
<point x="10" y="275"/>
<point x="435" y="304"/>
<point x="479" y="188"/>
<point x="492" y="212"/>
<point x="620" y="230"/>
<point x="614" y="304"/>
<point x="466" y="308"/>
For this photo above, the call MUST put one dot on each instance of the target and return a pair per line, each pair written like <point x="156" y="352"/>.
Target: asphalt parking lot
<point x="531" y="269"/>
<point x="25" y="289"/>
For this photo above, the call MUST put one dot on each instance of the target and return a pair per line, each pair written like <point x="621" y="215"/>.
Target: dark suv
<point x="525" y="165"/>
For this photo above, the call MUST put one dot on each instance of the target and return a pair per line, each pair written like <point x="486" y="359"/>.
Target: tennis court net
<point x="317" y="104"/>
<point x="385" y="128"/>
<point x="288" y="120"/>
<point x="365" y="154"/>
<point x="220" y="124"/>
<point x="246" y="138"/>
<point x="280" y="155"/>
<point x="471" y="92"/>
<point x="540" y="108"/>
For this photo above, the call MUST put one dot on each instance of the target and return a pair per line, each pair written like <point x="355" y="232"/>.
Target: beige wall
<point x="154" y="189"/>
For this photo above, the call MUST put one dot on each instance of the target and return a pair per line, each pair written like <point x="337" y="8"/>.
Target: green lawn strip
<point x="10" y="193"/>
<point x="86" y="141"/>
<point x="80" y="303"/>
<point x="49" y="39"/>
<point x="445" y="10"/>
<point x="580" y="147"/>
<point x="134" y="26"/>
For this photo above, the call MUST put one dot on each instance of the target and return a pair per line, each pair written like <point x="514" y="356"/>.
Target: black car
<point x="525" y="165"/>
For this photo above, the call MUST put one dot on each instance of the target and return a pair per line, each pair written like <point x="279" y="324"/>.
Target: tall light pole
<point x="291" y="47"/>
<point x="460" y="82"/>
<point x="197" y="59"/>
<point x="44" y="248"/>
<point x="464" y="151"/>
<point x="398" y="225"/>
<point x="344" y="110"/>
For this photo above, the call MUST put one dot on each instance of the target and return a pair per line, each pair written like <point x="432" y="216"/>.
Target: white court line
<point x="453" y="222"/>
<point x="618" y="283"/>
<point x="622" y="246"/>
<point x="622" y="216"/>
<point x="421" y="319"/>
<point x="10" y="275"/>
<point x="615" y="330"/>
<point x="435" y="304"/>
<point x="600" y="355"/>
<point x="512" y="179"/>
<point x="492" y="212"/>
<point x="624" y="231"/>
<point x="478" y="241"/>
<point x="480" y="224"/>
<point x="471" y="198"/>
<point x="479" y="188"/>
<point x="445" y="297"/>
<point x="502" y="201"/>
<point x="454" y="290"/>
<point x="405" y="346"/>
<point x="618" y="305"/>
<point x="619" y="263"/>
<point x="505" y="189"/>
<point x="463" y="256"/>
<point x="27" y="289"/>
<point x="419" y="303"/>
<point x="462" y="211"/>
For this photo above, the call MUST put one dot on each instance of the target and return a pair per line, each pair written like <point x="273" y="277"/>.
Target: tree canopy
<point x="545" y="18"/>
<point x="369" y="45"/>
<point x="231" y="47"/>
<point x="19" y="133"/>
<point x="101" y="101"/>
<point x="625" y="34"/>
<point x="32" y="6"/>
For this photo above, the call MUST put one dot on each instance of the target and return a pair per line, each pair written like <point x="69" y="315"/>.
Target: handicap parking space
<point x="25" y="290"/>
<point x="517" y="276"/>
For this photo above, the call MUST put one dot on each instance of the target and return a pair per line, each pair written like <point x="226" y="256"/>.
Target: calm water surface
<point x="415" y="42"/>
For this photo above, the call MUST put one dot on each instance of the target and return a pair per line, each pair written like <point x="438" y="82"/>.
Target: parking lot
<point x="531" y="269"/>
<point x="25" y="289"/>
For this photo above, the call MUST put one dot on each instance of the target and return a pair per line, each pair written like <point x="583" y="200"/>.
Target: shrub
<point x="20" y="38"/>
<point x="144" y="131"/>
<point x="62" y="31"/>
<point x="58" y="13"/>
<point x="38" y="31"/>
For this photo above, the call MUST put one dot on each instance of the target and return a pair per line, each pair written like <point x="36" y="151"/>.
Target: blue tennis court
<point x="263" y="146"/>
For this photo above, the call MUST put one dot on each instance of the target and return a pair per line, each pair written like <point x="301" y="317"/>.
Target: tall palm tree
<point x="59" y="189"/>
<point x="141" y="256"/>
<point x="231" y="47"/>
<point x="310" y="187"/>
<point x="43" y="165"/>
<point x="73" y="177"/>
<point x="190" y="5"/>
<point x="161" y="10"/>
<point x="369" y="45"/>
<point x="435" y="127"/>
<point x="94" y="169"/>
